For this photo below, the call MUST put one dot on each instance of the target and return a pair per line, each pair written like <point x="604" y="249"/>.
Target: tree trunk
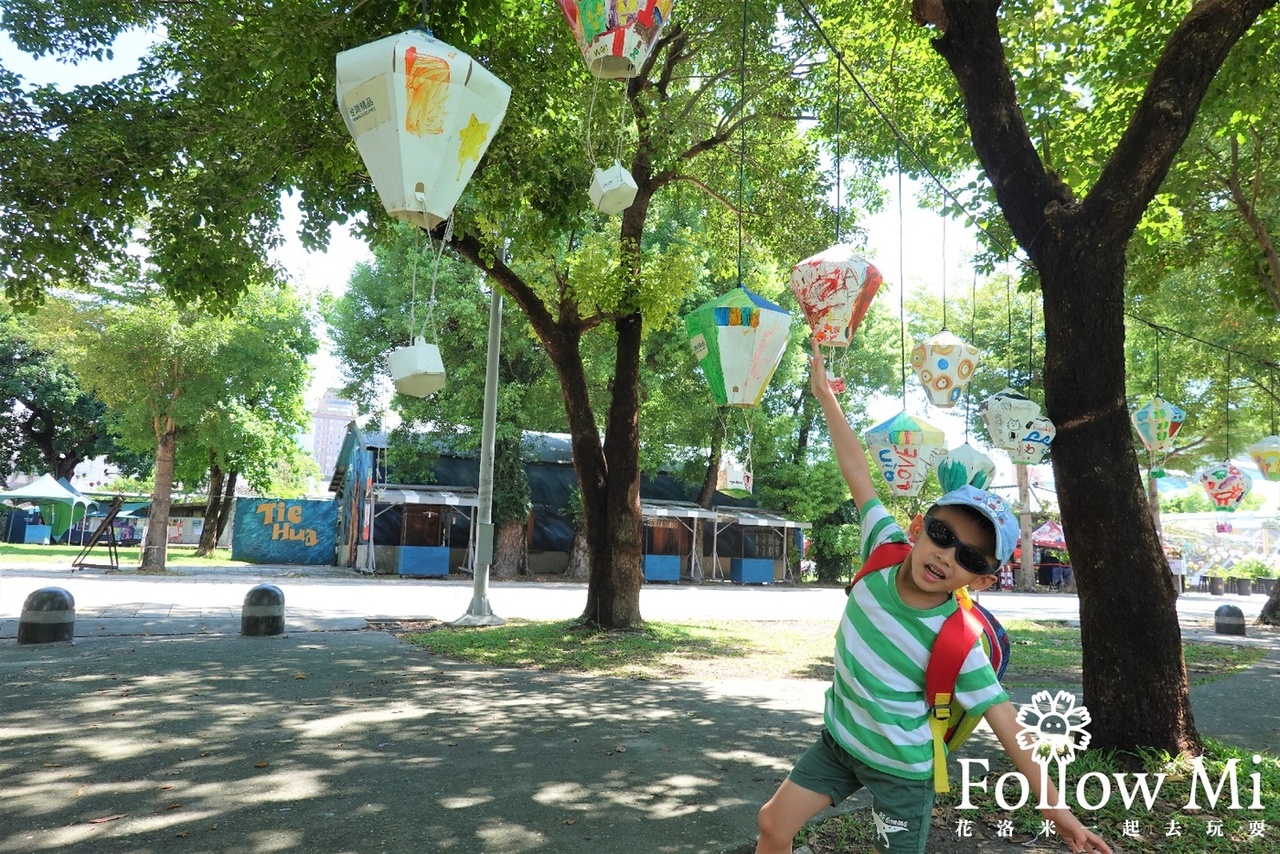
<point x="228" y="502"/>
<point x="1137" y="695"/>
<point x="579" y="561"/>
<point x="510" y="550"/>
<point x="707" y="493"/>
<point x="1270" y="615"/>
<point x="209" y="533"/>
<point x="614" y="524"/>
<point x="155" y="549"/>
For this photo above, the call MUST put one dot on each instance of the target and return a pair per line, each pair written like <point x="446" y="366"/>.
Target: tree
<point x="1076" y="243"/>
<point x="50" y="422"/>
<point x="171" y="374"/>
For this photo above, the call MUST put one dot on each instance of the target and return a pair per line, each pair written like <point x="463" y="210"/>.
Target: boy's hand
<point x="819" y="384"/>
<point x="1078" y="837"/>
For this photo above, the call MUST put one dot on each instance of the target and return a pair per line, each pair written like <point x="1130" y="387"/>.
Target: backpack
<point x="949" y="723"/>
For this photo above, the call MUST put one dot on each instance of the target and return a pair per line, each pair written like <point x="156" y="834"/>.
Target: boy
<point x="876" y="731"/>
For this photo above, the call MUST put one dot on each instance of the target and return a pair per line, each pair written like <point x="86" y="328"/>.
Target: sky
<point x="919" y="231"/>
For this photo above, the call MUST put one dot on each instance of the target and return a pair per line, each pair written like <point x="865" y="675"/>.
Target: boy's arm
<point x="850" y="454"/>
<point x="1003" y="721"/>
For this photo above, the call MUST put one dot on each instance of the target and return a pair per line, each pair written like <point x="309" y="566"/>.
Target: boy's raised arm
<point x="850" y="454"/>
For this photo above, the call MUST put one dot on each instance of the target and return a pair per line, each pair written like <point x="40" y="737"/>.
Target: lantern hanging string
<point x="1031" y="344"/>
<point x="1227" y="408"/>
<point x="902" y="289"/>
<point x="944" y="273"/>
<point x="1273" y="401"/>
<point x="742" y="133"/>
<point x="591" y="108"/>
<point x="839" y="186"/>
<point x="435" y="271"/>
<point x="413" y="282"/>
<point x="902" y="140"/>
<point x="1008" y="307"/>
<point x="973" y="325"/>
<point x="1157" y="331"/>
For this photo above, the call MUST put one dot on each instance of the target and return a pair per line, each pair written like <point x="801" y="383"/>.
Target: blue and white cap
<point x="994" y="508"/>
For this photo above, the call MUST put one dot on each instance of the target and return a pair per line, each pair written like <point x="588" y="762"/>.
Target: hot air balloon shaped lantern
<point x="905" y="448"/>
<point x="944" y="363"/>
<point x="965" y="466"/>
<point x="1015" y="424"/>
<point x="1157" y="422"/>
<point x="616" y="36"/>
<point x="422" y="114"/>
<point x="1266" y="454"/>
<point x="738" y="339"/>
<point x="835" y="288"/>
<point x="1225" y="485"/>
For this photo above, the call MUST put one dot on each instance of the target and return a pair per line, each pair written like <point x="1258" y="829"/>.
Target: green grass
<point x="21" y="554"/>
<point x="1167" y="828"/>
<point x="1042" y="652"/>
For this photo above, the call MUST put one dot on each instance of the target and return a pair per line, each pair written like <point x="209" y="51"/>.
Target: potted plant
<point x="1252" y="571"/>
<point x="1217" y="577"/>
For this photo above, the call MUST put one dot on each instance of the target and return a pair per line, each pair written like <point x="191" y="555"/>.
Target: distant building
<point x="328" y="428"/>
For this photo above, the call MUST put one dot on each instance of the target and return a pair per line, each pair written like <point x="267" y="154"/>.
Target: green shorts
<point x="900" y="808"/>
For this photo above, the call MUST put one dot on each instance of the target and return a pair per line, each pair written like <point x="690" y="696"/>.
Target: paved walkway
<point x="161" y="729"/>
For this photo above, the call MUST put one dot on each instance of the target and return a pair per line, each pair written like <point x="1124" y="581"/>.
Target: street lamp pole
<point x="480" y="613"/>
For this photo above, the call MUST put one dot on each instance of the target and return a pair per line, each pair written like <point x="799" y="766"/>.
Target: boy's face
<point x="935" y="569"/>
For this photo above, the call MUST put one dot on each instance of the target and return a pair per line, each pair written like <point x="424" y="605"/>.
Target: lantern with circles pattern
<point x="944" y="363"/>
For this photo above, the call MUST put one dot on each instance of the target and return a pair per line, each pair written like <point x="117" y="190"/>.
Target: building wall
<point x="328" y="428"/>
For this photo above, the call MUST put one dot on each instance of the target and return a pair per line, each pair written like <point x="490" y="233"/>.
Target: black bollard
<point x="263" y="613"/>
<point x="1228" y="620"/>
<point x="48" y="616"/>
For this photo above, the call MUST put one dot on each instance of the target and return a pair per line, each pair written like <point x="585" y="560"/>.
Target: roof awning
<point x="655" y="509"/>
<point x="386" y="494"/>
<point x="755" y="517"/>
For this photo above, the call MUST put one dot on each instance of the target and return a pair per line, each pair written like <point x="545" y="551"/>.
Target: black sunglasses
<point x="944" y="537"/>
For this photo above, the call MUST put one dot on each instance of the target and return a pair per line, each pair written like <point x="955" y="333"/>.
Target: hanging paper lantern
<point x="1157" y="422"/>
<point x="416" y="370"/>
<point x="835" y="289"/>
<point x="734" y="479"/>
<point x="738" y="339"/>
<point x="945" y="363"/>
<point x="422" y="115"/>
<point x="965" y="466"/>
<point x="616" y="36"/>
<point x="1225" y="484"/>
<point x="905" y="448"/>
<point x="1016" y="425"/>
<point x="1266" y="454"/>
<point x="613" y="189"/>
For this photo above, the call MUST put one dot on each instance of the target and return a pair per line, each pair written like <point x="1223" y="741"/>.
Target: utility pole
<point x="480" y="613"/>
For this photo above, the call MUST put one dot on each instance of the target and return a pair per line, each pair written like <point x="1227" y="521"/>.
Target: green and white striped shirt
<point x="875" y="706"/>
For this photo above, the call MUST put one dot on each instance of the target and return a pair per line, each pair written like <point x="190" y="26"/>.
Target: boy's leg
<point x="782" y="817"/>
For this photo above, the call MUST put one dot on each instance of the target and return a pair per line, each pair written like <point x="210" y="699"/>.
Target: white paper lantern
<point x="904" y="449"/>
<point x="944" y="363"/>
<point x="417" y="370"/>
<point x="422" y="114"/>
<point x="1016" y="425"/>
<point x="613" y="189"/>
<point x="734" y="479"/>
<point x="965" y="466"/>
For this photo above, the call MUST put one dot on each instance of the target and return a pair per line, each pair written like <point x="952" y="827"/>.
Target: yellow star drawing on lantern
<point x="473" y="138"/>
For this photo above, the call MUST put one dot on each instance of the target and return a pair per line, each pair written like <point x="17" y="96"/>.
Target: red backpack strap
<point x="882" y="556"/>
<point x="955" y="640"/>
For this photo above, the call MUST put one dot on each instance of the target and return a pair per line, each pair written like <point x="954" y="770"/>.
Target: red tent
<point x="1049" y="536"/>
